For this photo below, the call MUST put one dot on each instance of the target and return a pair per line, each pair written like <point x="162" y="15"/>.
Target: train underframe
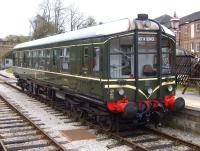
<point x="79" y="106"/>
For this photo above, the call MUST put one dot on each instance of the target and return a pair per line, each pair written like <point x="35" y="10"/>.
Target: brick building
<point x="188" y="34"/>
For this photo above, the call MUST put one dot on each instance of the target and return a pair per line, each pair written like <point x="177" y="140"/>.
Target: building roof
<point x="190" y="18"/>
<point x="164" y="20"/>
<point x="115" y="27"/>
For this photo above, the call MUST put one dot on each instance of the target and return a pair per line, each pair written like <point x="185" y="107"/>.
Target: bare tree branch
<point x="53" y="18"/>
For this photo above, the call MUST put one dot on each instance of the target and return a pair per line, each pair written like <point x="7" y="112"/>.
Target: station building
<point x="5" y="55"/>
<point x="187" y="33"/>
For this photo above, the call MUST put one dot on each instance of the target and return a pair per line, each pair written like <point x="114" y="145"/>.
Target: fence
<point x="188" y="72"/>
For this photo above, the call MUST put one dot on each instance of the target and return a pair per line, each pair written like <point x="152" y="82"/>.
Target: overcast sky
<point x="15" y="14"/>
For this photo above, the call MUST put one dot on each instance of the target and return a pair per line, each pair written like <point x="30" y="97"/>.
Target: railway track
<point x="145" y="139"/>
<point x="19" y="132"/>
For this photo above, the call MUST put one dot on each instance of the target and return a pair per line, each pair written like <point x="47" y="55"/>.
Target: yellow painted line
<point x="115" y="86"/>
<point x="125" y="86"/>
<point x="120" y="86"/>
<point x="90" y="78"/>
<point x="69" y="75"/>
<point x="163" y="84"/>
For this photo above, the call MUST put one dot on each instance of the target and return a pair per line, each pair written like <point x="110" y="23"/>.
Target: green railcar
<point x="122" y="69"/>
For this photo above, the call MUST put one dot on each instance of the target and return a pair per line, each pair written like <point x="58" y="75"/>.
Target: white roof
<point x="95" y="31"/>
<point x="168" y="31"/>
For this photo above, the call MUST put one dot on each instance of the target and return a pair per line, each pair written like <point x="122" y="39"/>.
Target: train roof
<point x="110" y="28"/>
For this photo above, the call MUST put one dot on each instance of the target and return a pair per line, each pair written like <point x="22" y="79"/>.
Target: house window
<point x="198" y="47"/>
<point x="192" y="46"/>
<point x="198" y="27"/>
<point x="192" y="30"/>
<point x="7" y="61"/>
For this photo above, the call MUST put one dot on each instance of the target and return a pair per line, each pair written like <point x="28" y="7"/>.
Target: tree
<point x="41" y="27"/>
<point x="50" y="20"/>
<point x="53" y="17"/>
<point x="16" y="38"/>
<point x="90" y="21"/>
<point x="59" y="16"/>
<point x="77" y="20"/>
<point x="74" y="18"/>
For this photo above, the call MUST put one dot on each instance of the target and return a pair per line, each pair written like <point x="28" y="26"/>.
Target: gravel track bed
<point x="55" y="122"/>
<point x="180" y="134"/>
<point x="45" y="142"/>
<point x="15" y="130"/>
<point x="49" y="148"/>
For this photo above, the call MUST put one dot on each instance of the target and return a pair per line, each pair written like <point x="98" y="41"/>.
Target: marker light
<point x="149" y="90"/>
<point x="121" y="91"/>
<point x="170" y="88"/>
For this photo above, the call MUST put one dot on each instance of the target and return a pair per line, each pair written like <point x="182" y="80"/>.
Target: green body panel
<point x="80" y="77"/>
<point x="143" y="86"/>
<point x="84" y="86"/>
<point x="97" y="88"/>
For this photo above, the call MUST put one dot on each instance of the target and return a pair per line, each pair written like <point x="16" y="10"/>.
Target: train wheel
<point x="82" y="116"/>
<point x="74" y="114"/>
<point x="106" y="124"/>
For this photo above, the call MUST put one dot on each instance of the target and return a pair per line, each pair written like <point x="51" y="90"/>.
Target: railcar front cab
<point x="142" y="82"/>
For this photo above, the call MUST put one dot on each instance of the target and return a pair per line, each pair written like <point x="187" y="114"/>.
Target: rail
<point x="125" y="140"/>
<point x="46" y="135"/>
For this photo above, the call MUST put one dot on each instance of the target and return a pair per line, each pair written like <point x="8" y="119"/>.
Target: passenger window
<point x="147" y="55"/>
<point x="35" y="60"/>
<point x="15" y="59"/>
<point x="41" y="59"/>
<point x="24" y="59"/>
<point x="85" y="58"/>
<point x="167" y="56"/>
<point x="64" y="59"/>
<point x="54" y="57"/>
<point x="96" y="59"/>
<point x="122" y="57"/>
<point x="126" y="60"/>
<point x="48" y="59"/>
<point x="29" y="59"/>
<point x="21" y="58"/>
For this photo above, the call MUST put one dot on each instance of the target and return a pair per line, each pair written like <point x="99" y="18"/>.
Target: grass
<point x="190" y="89"/>
<point x="9" y="70"/>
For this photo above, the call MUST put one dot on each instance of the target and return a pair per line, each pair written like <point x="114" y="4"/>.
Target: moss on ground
<point x="190" y="89"/>
<point x="9" y="70"/>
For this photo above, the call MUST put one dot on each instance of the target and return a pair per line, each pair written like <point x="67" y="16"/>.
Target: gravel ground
<point x="27" y="144"/>
<point x="180" y="134"/>
<point x="55" y="122"/>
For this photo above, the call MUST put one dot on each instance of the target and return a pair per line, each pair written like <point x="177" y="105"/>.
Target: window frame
<point x="197" y="27"/>
<point x="65" y="58"/>
<point x="96" y="61"/>
<point x="118" y="72"/>
<point x="198" y="47"/>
